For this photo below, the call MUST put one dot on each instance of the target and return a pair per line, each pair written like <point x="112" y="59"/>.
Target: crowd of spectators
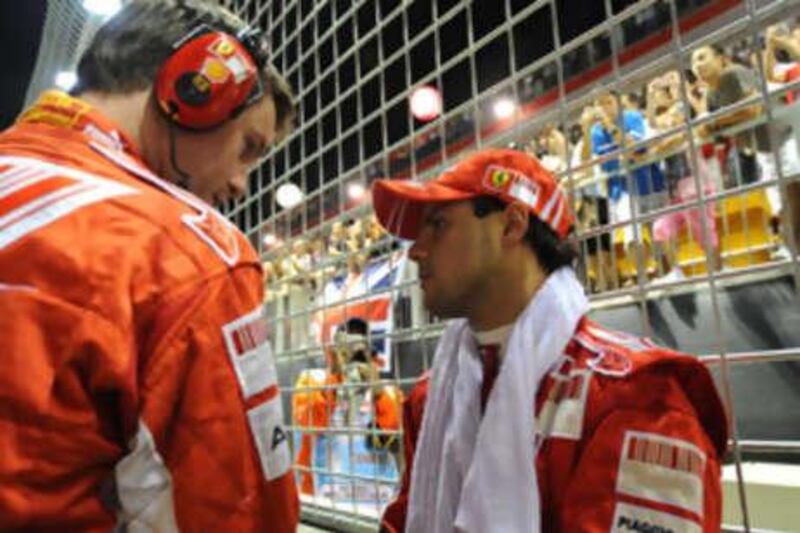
<point x="299" y="270"/>
<point x="343" y="249"/>
<point x="629" y="154"/>
<point x="629" y="160"/>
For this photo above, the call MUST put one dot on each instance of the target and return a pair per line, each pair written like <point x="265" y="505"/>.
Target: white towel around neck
<point x="476" y="474"/>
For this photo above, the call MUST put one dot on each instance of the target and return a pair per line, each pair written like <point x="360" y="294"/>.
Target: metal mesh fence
<point x="688" y="221"/>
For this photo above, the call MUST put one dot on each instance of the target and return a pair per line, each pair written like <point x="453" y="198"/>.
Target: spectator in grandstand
<point x="575" y="135"/>
<point x="751" y="158"/>
<point x="273" y="272"/>
<point x="534" y="417"/>
<point x="375" y="239"/>
<point x="298" y="262"/>
<point x="632" y="101"/>
<point x="665" y="112"/>
<point x="727" y="83"/>
<point x="356" y="261"/>
<point x="339" y="246"/>
<point x="782" y="65"/>
<point x="592" y="210"/>
<point x="611" y="129"/>
<point x="337" y="239"/>
<point x="138" y="388"/>
<point x="318" y="250"/>
<point x="298" y="270"/>
<point x="782" y="56"/>
<point x="553" y="148"/>
<point x="355" y="235"/>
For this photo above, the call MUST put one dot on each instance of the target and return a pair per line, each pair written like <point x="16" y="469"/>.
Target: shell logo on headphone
<point x="210" y="78"/>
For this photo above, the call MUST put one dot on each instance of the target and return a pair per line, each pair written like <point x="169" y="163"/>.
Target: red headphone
<point x="211" y="77"/>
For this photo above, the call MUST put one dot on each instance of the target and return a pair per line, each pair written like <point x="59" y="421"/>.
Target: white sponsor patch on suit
<point x="563" y="410"/>
<point x="266" y="422"/>
<point x="248" y="348"/>
<point x="34" y="194"/>
<point x="629" y="518"/>
<point x="662" y="469"/>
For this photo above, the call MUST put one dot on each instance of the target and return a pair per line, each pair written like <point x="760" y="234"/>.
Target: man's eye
<point x="252" y="149"/>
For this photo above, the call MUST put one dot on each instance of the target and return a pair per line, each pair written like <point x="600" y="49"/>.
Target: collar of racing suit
<point x="57" y="108"/>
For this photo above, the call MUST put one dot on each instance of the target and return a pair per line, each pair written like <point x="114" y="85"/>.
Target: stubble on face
<point x="456" y="268"/>
<point x="209" y="162"/>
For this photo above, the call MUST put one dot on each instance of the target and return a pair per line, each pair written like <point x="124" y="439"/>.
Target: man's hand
<point x="587" y="119"/>
<point x="697" y="95"/>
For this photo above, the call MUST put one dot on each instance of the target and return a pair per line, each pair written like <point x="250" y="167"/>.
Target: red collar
<point x="57" y="108"/>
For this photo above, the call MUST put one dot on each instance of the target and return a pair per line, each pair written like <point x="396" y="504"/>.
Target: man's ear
<point x="516" y="219"/>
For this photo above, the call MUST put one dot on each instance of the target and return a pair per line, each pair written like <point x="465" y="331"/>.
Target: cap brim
<point x="400" y="204"/>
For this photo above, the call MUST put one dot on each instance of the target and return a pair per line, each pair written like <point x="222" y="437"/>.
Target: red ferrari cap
<point x="509" y="175"/>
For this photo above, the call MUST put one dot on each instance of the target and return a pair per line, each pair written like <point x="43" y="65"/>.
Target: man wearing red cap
<point x="534" y="417"/>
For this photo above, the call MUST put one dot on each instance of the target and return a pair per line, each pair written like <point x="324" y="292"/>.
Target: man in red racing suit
<point x="624" y="435"/>
<point x="138" y="390"/>
<point x="621" y="421"/>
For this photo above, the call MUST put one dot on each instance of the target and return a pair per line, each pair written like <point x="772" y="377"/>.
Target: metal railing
<point x="327" y="286"/>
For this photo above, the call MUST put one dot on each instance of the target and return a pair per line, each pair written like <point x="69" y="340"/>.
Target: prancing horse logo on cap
<point x="500" y="178"/>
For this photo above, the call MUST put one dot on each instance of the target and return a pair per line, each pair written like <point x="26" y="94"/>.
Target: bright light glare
<point x="103" y="8"/>
<point x="356" y="191"/>
<point x="270" y="240"/>
<point x="289" y="195"/>
<point x="66" y="80"/>
<point x="426" y="103"/>
<point x="504" y="108"/>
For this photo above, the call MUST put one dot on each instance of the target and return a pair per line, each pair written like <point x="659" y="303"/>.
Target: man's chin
<point x="441" y="310"/>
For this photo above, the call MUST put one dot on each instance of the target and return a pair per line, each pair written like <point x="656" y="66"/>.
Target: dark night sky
<point x="533" y="37"/>
<point x="20" y="32"/>
<point x="20" y="26"/>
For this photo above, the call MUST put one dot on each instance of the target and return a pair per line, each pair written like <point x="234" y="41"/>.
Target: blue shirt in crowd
<point x="647" y="179"/>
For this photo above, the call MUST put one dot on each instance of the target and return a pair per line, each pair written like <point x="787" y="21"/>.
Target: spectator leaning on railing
<point x="609" y="129"/>
<point x="666" y="112"/>
<point x="592" y="210"/>
<point x="727" y="83"/>
<point x="609" y="126"/>
<point x="782" y="56"/>
<point x="785" y="45"/>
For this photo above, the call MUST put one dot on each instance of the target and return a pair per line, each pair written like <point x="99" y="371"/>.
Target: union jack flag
<point x="353" y="296"/>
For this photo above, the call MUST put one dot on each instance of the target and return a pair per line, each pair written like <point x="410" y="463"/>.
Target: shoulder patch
<point x="208" y="224"/>
<point x="35" y="193"/>
<point x="604" y="358"/>
<point x="611" y="363"/>
<point x="662" y="470"/>
<point x="630" y="342"/>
